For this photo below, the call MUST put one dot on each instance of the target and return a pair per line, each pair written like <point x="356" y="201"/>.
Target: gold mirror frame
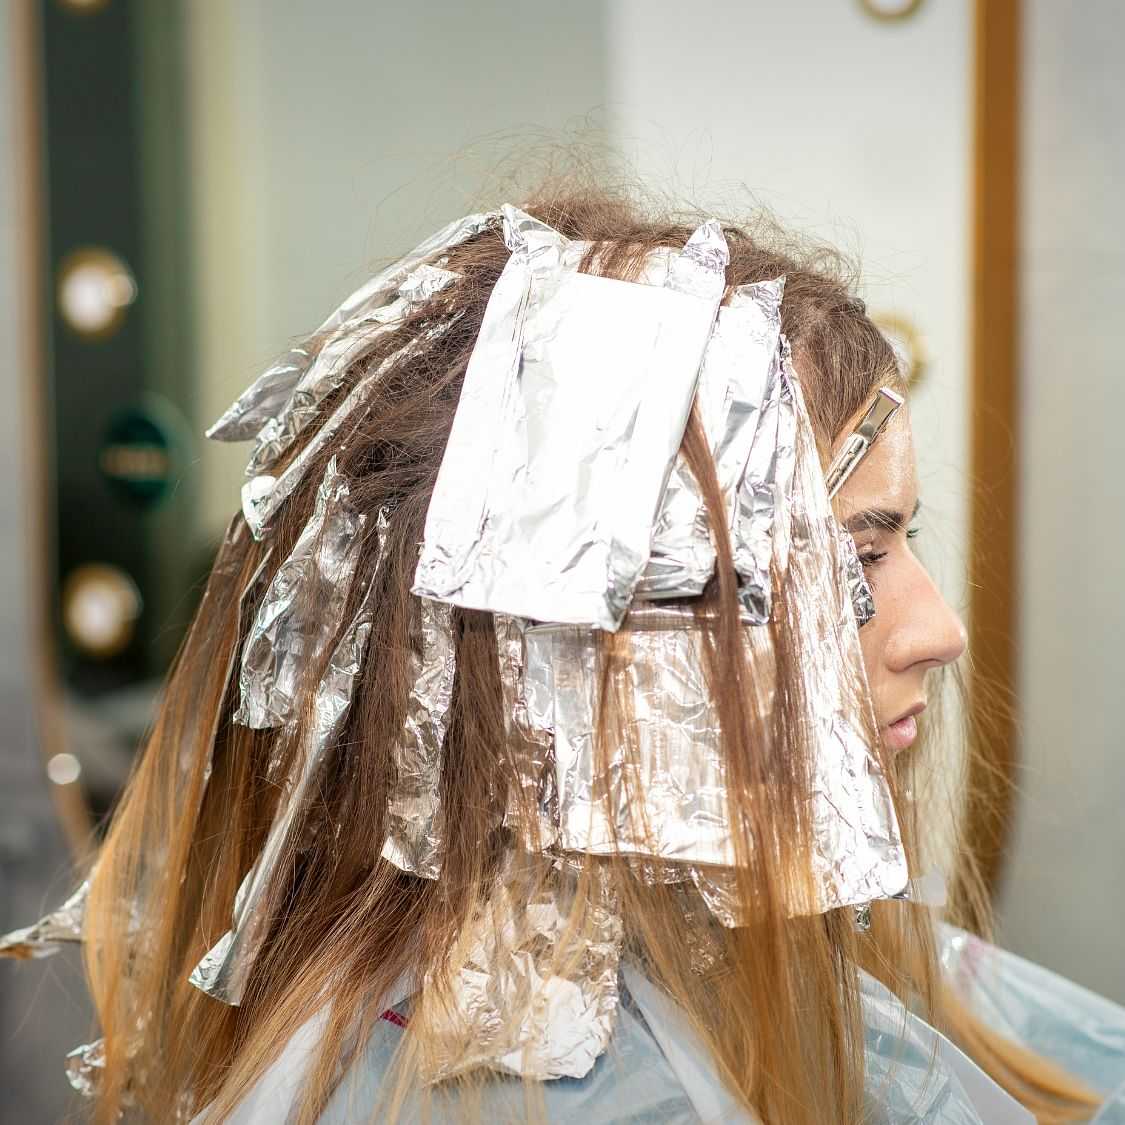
<point x="893" y="15"/>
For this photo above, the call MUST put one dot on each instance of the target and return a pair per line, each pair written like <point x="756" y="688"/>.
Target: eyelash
<point x="873" y="559"/>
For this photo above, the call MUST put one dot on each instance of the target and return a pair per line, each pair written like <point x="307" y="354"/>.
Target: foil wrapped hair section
<point x="526" y="999"/>
<point x="264" y="494"/>
<point x="583" y="386"/>
<point x="47" y="936"/>
<point x="415" y="830"/>
<point x="267" y="397"/>
<point x="225" y="968"/>
<point x="661" y="793"/>
<point x="533" y="808"/>
<point x="302" y="608"/>
<point x="760" y="526"/>
<point x="859" y="591"/>
<point x="734" y="383"/>
<point x="325" y="373"/>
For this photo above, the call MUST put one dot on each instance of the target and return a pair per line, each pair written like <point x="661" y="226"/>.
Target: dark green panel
<point x="116" y="180"/>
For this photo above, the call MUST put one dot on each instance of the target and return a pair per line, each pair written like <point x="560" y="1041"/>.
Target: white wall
<point x="1063" y="898"/>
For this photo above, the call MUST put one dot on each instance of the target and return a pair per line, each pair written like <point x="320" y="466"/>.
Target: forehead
<point x="887" y="475"/>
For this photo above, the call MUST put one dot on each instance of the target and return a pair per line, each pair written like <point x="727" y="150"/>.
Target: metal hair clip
<point x="861" y="439"/>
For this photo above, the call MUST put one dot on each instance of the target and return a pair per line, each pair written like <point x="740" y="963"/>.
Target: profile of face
<point x="914" y="629"/>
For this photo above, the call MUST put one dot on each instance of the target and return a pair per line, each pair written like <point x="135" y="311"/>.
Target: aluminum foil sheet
<point x="325" y="373"/>
<point x="759" y="536"/>
<point x="523" y="1003"/>
<point x="224" y="969"/>
<point x="415" y="837"/>
<point x="302" y="609"/>
<point x="532" y="810"/>
<point x="718" y="889"/>
<point x="733" y="385"/>
<point x="85" y="1066"/>
<point x="267" y="396"/>
<point x="674" y="806"/>
<point x="573" y="407"/>
<point x="50" y="933"/>
<point x="859" y="591"/>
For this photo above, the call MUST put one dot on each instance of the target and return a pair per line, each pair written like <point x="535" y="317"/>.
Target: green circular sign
<point x="137" y="457"/>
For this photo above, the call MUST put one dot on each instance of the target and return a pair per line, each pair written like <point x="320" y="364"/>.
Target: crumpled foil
<point x="571" y="414"/>
<point x="529" y="725"/>
<point x="733" y="386"/>
<point x="760" y="537"/>
<point x="674" y="806"/>
<point x="224" y="969"/>
<point x="523" y="1002"/>
<point x="415" y="840"/>
<point x="85" y="1066"/>
<point x="50" y="933"/>
<point x="302" y="608"/>
<point x="343" y="346"/>
<point x="264" y="398"/>
<point x="863" y="602"/>
<point x="263" y="495"/>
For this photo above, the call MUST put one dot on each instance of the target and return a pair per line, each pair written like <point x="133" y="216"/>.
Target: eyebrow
<point x="881" y="519"/>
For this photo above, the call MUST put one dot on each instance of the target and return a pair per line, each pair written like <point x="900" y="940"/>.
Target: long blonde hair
<point x="778" y="1008"/>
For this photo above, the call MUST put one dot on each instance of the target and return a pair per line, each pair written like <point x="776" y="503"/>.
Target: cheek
<point x="888" y="586"/>
<point x="873" y="642"/>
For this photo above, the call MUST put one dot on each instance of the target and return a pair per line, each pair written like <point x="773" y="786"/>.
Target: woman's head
<point x="776" y="999"/>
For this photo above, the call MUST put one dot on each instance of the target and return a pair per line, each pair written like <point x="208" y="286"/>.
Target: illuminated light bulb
<point x="100" y="607"/>
<point x="95" y="288"/>
<point x="63" y="769"/>
<point x="83" y="7"/>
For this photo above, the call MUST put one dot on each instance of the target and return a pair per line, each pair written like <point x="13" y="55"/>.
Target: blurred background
<point x="187" y="186"/>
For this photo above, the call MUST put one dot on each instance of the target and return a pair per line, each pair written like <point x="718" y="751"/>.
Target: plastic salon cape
<point x="656" y="1071"/>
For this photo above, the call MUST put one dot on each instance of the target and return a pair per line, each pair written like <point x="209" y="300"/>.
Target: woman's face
<point x="914" y="628"/>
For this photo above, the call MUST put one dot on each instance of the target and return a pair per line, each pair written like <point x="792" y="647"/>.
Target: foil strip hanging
<point x="264" y="398"/>
<point x="47" y="936"/>
<point x="573" y="407"/>
<point x="263" y="495"/>
<point x="85" y="1066"/>
<point x="733" y="385"/>
<point x="344" y="346"/>
<point x="224" y="969"/>
<point x="302" y="607"/>
<point x="759" y="539"/>
<point x="524" y="1002"/>
<point x="532" y="809"/>
<point x="415" y="832"/>
<point x="859" y="591"/>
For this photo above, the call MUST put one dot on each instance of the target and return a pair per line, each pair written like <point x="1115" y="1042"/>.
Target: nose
<point x="932" y="632"/>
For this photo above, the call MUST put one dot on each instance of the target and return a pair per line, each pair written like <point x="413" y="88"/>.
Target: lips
<point x="904" y="730"/>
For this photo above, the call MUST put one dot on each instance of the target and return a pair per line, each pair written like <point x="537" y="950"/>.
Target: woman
<point x="541" y="747"/>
